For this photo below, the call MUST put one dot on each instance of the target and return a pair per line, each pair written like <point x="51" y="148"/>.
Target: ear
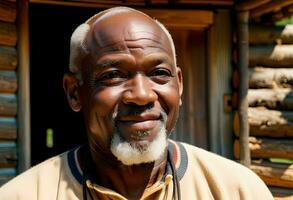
<point x="71" y="86"/>
<point x="180" y="83"/>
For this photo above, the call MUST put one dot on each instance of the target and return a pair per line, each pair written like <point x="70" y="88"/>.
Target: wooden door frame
<point x="219" y="84"/>
<point x="23" y="112"/>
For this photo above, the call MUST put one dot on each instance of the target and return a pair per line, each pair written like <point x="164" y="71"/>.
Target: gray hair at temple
<point x="78" y="48"/>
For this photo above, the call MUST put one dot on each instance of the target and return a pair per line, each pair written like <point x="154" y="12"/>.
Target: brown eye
<point x="111" y="77"/>
<point x="160" y="75"/>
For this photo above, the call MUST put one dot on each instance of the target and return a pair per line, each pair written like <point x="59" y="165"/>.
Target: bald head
<point x="107" y="31"/>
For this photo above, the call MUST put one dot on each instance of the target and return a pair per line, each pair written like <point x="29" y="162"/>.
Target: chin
<point x="139" y="152"/>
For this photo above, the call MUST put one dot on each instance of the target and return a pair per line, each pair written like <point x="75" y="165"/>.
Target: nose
<point x="140" y="91"/>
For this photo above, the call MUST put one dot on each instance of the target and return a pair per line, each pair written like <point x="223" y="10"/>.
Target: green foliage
<point x="285" y="21"/>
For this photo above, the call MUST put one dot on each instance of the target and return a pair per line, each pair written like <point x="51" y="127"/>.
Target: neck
<point x="127" y="180"/>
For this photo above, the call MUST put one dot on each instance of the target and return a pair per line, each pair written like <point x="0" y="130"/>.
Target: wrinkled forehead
<point x="116" y="30"/>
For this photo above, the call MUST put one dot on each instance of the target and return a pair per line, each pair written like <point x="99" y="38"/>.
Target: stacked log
<point x="8" y="90"/>
<point x="270" y="112"/>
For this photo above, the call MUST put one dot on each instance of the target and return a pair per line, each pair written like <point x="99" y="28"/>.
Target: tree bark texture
<point x="264" y="34"/>
<point x="268" y="123"/>
<point x="274" y="174"/>
<point x="267" y="148"/>
<point x="271" y="55"/>
<point x="280" y="99"/>
<point x="280" y="193"/>
<point x="260" y="77"/>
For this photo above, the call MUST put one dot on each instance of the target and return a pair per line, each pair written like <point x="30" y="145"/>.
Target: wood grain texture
<point x="268" y="34"/>
<point x="8" y="81"/>
<point x="281" y="99"/>
<point x="267" y="123"/>
<point x="281" y="193"/>
<point x="8" y="105"/>
<point x="182" y="19"/>
<point x="250" y="4"/>
<point x="280" y="175"/>
<point x="7" y="11"/>
<point x="193" y="118"/>
<point x="8" y="128"/>
<point x="8" y="154"/>
<point x="261" y="77"/>
<point x="272" y="6"/>
<point x="8" y="59"/>
<point x="8" y="36"/>
<point x="271" y="55"/>
<point x="267" y="148"/>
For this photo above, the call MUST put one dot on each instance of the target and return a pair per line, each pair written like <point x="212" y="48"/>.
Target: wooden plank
<point x="191" y="49"/>
<point x="243" y="59"/>
<point x="135" y="2"/>
<point x="268" y="34"/>
<point x="280" y="99"/>
<point x="8" y="60"/>
<point x="7" y="34"/>
<point x="6" y="174"/>
<point x="267" y="148"/>
<point x="8" y="154"/>
<point x="274" y="174"/>
<point x="271" y="55"/>
<point x="272" y="6"/>
<point x="218" y="75"/>
<point x="281" y="193"/>
<point x="205" y="2"/>
<point x="264" y="122"/>
<point x="94" y="3"/>
<point x="8" y="105"/>
<point x="260" y="77"/>
<point x="8" y="128"/>
<point x="7" y="11"/>
<point x="8" y="81"/>
<point x="250" y="4"/>
<point x="182" y="19"/>
<point x="24" y="130"/>
<point x="155" y="2"/>
<point x="285" y="12"/>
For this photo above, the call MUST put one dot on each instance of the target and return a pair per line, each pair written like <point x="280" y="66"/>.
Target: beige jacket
<point x="202" y="176"/>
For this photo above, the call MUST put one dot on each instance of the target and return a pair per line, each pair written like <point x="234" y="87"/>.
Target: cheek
<point x="106" y="100"/>
<point x="99" y="110"/>
<point x="169" y="98"/>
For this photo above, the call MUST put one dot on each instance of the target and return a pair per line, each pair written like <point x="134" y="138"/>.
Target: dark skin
<point x="129" y="81"/>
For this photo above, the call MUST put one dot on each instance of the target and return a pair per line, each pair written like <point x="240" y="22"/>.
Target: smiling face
<point x="131" y="87"/>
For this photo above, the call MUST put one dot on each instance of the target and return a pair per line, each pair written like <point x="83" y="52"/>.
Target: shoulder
<point x="224" y="174"/>
<point x="28" y="184"/>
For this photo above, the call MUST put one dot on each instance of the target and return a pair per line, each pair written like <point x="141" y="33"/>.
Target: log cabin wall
<point x="8" y="89"/>
<point x="270" y="111"/>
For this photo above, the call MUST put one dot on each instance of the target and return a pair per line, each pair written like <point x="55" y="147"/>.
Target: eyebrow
<point x="159" y="60"/>
<point x="108" y="63"/>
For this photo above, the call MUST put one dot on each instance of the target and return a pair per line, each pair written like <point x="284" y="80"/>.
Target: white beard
<point x="130" y="154"/>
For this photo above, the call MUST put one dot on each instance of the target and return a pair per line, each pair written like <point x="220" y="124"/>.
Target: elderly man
<point x="124" y="79"/>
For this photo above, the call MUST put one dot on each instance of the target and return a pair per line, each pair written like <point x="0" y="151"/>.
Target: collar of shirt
<point x="164" y="186"/>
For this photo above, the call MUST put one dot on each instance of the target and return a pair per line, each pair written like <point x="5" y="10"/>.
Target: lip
<point x="143" y="117"/>
<point x="142" y="125"/>
<point x="139" y="127"/>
